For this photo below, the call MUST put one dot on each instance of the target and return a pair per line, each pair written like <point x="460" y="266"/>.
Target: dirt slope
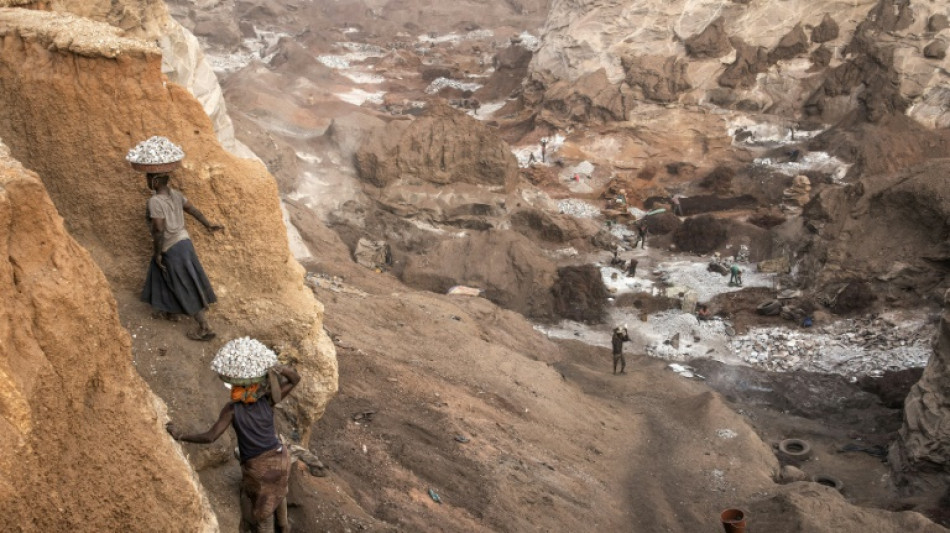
<point x="553" y="442"/>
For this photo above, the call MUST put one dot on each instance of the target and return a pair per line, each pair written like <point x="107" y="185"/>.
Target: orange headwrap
<point x="248" y="394"/>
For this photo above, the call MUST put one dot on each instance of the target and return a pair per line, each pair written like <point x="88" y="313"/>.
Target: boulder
<point x="660" y="78"/>
<point x="511" y="67"/>
<point x="579" y="294"/>
<point x="442" y="146"/>
<point x="750" y="61"/>
<point x="712" y="42"/>
<point x="591" y="99"/>
<point x="936" y="50"/>
<point x="792" y="44"/>
<point x="826" y="31"/>
<point x="937" y="22"/>
<point x="511" y="269"/>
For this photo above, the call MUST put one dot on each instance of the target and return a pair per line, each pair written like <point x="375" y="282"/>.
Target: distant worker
<point x="620" y="336"/>
<point x="632" y="268"/>
<point x="677" y="208"/>
<point x="544" y="144"/>
<point x="176" y="283"/>
<point x="531" y="159"/>
<point x="735" y="276"/>
<point x="616" y="260"/>
<point x="703" y="313"/>
<point x="265" y="461"/>
<point x="641" y="228"/>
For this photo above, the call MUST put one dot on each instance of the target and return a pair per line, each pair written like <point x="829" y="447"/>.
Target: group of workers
<point x="176" y="284"/>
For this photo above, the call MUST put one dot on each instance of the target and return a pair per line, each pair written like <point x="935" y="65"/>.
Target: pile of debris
<point x="577" y="208"/>
<point x="856" y="347"/>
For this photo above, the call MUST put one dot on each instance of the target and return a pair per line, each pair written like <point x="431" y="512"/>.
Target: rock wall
<point x="74" y="97"/>
<point x="924" y="441"/>
<point x="85" y="447"/>
<point x="183" y="61"/>
<point x="766" y="56"/>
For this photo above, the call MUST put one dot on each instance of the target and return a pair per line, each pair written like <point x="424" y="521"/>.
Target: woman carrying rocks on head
<point x="257" y="384"/>
<point x="176" y="283"/>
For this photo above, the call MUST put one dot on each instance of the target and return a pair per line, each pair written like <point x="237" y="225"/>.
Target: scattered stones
<point x="577" y="208"/>
<point x="865" y="346"/>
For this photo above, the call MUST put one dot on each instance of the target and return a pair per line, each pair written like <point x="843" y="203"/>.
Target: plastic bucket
<point x="733" y="520"/>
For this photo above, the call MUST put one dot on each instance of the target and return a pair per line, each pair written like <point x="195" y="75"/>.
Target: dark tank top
<point x="254" y="425"/>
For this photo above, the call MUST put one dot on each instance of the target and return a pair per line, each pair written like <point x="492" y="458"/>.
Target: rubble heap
<point x="864" y="346"/>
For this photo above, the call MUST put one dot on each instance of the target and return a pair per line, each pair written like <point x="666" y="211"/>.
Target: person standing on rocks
<point x="641" y="235"/>
<point x="176" y="283"/>
<point x="735" y="276"/>
<point x="265" y="461"/>
<point x="620" y="336"/>
<point x="677" y="208"/>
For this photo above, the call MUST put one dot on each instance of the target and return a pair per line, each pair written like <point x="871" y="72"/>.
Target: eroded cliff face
<point x="86" y="98"/>
<point x="85" y="447"/>
<point x="183" y="61"/>
<point x="818" y="59"/>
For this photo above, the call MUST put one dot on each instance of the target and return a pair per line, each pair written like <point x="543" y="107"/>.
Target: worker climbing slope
<point x="253" y="372"/>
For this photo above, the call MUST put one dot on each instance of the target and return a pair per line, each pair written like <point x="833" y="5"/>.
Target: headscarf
<point x="248" y="394"/>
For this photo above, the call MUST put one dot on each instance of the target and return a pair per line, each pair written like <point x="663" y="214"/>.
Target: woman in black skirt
<point x="176" y="283"/>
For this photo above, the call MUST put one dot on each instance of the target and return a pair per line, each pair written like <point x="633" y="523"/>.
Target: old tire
<point x="828" y="481"/>
<point x="794" y="450"/>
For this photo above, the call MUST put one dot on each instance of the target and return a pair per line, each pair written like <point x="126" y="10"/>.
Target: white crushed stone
<point x="155" y="150"/>
<point x="455" y="38"/>
<point x="726" y="434"/>
<point x="809" y="161"/>
<point x="243" y="358"/>
<point x="358" y="97"/>
<point x="848" y="347"/>
<point x="529" y="41"/>
<point x="441" y="83"/>
<point x="577" y="208"/>
<point x="694" y="275"/>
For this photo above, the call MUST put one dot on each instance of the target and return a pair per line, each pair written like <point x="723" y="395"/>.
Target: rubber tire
<point x="828" y="481"/>
<point x="795" y="449"/>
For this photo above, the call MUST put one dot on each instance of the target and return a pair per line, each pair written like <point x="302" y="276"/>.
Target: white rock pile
<point x="853" y="347"/>
<point x="577" y="208"/>
<point x="243" y="358"/>
<point x="155" y="151"/>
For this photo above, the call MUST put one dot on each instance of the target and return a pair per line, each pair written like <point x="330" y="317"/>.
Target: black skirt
<point x="184" y="288"/>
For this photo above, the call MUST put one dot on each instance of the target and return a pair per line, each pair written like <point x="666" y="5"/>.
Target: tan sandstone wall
<point x="183" y="61"/>
<point x="74" y="97"/>
<point x="84" y="444"/>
